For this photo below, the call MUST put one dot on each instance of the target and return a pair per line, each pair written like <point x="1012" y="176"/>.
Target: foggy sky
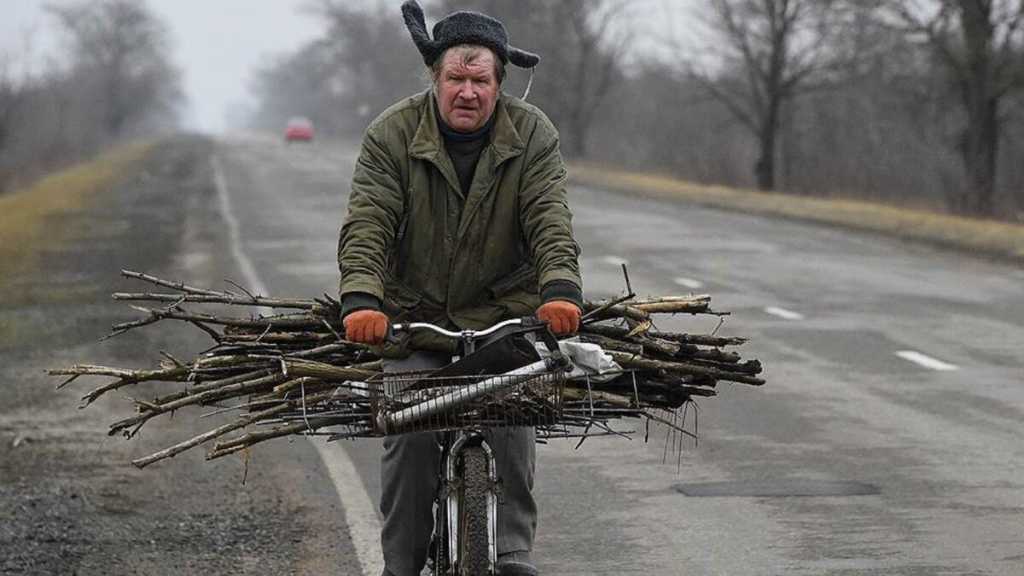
<point x="218" y="44"/>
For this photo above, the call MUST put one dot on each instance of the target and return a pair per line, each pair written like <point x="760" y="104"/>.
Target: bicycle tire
<point x="474" y="548"/>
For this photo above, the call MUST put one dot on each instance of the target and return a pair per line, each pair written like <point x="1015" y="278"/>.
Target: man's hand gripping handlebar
<point x="371" y="326"/>
<point x="366" y="326"/>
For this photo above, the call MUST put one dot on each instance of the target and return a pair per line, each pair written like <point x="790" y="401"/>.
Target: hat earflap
<point x="522" y="58"/>
<point x="417" y="25"/>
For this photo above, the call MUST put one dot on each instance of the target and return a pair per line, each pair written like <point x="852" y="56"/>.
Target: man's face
<point x="467" y="91"/>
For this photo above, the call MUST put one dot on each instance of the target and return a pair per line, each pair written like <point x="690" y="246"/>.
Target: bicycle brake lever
<point x="549" y="340"/>
<point x="391" y="336"/>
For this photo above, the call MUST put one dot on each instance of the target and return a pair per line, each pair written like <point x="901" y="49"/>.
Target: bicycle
<point x="465" y="528"/>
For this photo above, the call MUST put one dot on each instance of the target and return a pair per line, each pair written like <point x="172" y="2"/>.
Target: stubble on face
<point x="467" y="88"/>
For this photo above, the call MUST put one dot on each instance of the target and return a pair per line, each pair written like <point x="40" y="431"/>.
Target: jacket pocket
<point x="524" y="278"/>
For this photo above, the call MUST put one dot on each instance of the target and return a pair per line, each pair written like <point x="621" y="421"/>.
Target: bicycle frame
<point x="456" y="442"/>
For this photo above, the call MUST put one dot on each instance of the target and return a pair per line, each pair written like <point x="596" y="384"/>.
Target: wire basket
<point x="404" y="402"/>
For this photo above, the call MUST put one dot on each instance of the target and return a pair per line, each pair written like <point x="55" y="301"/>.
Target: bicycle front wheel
<point x="474" y="545"/>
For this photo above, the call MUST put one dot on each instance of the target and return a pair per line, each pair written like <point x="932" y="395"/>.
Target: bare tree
<point x="374" y="61"/>
<point x="10" y="97"/>
<point x="980" y="44"/>
<point x="120" y="50"/>
<point x="594" y="66"/>
<point x="771" y="51"/>
<point x="363" y="62"/>
<point x="299" y="84"/>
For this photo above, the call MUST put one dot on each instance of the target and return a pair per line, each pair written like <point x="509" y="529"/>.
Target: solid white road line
<point x="926" y="361"/>
<point x="235" y="236"/>
<point x="360" y="514"/>
<point x="783" y="313"/>
<point x="689" y="283"/>
<point x="614" y="260"/>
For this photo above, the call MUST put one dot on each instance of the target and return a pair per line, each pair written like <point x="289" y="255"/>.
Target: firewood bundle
<point x="294" y="373"/>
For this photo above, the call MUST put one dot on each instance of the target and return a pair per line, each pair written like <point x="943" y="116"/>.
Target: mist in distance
<point x="219" y="45"/>
<point x="832" y="98"/>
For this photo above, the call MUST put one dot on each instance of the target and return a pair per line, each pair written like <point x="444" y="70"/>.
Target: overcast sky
<point x="218" y="43"/>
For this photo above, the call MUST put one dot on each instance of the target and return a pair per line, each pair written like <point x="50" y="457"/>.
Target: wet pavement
<point x="887" y="441"/>
<point x="70" y="502"/>
<point x="853" y="460"/>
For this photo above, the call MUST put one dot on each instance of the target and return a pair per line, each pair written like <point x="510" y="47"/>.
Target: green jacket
<point x="406" y="241"/>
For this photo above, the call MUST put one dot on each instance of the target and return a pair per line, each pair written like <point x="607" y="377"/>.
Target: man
<point x="457" y="216"/>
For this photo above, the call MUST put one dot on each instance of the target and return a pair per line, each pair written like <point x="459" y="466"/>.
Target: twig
<point x="180" y="286"/>
<point x="252" y="297"/>
<point x="222" y="298"/>
<point x="603" y="307"/>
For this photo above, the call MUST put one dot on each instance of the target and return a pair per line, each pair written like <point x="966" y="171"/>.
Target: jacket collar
<point x="428" y="144"/>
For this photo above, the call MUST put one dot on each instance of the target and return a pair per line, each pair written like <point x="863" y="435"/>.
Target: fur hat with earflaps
<point x="462" y="28"/>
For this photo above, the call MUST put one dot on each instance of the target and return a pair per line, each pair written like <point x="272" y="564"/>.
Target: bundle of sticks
<point x="292" y="372"/>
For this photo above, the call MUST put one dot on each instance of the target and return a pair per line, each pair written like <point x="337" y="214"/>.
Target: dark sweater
<point x="464" y="149"/>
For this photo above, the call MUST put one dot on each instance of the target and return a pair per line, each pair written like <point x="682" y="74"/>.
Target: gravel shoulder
<point x="70" y="500"/>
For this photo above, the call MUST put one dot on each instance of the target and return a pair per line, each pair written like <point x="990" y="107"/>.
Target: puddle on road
<point x="868" y="351"/>
<point x="783" y="488"/>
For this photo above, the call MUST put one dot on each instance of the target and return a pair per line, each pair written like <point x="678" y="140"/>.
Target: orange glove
<point x="366" y="326"/>
<point x="562" y="316"/>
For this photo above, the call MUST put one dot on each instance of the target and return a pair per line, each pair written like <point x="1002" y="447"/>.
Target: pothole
<point x="782" y="488"/>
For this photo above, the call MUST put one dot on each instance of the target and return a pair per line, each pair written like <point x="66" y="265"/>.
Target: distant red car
<point x="298" y="130"/>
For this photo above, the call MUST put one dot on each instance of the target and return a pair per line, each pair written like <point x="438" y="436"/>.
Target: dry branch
<point x="294" y="373"/>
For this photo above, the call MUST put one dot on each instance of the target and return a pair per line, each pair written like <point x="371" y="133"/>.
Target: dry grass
<point x="27" y="215"/>
<point x="998" y="239"/>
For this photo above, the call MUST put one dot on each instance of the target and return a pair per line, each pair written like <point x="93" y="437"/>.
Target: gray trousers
<point x="409" y="484"/>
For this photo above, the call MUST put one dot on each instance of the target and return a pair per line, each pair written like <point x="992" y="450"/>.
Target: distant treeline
<point x="911" y="102"/>
<point x="113" y="81"/>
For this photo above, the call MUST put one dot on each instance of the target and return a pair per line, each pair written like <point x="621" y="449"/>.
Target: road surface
<point x="888" y="439"/>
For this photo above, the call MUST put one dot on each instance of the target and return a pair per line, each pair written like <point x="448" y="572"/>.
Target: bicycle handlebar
<point x="469" y="337"/>
<point x="459" y="335"/>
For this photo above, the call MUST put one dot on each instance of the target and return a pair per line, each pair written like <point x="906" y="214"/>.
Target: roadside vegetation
<point x="915" y="104"/>
<point x="111" y="81"/>
<point x="33" y="219"/>
<point x="1002" y="240"/>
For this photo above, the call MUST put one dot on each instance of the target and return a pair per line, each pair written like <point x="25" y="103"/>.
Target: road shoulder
<point x="997" y="240"/>
<point x="77" y="504"/>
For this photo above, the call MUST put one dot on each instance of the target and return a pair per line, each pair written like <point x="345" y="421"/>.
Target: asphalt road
<point x="887" y="441"/>
<point x="70" y="502"/>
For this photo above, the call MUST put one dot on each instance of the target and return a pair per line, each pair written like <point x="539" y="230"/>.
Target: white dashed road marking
<point x="689" y="283"/>
<point x="360" y="514"/>
<point x="926" y="361"/>
<point x="783" y="313"/>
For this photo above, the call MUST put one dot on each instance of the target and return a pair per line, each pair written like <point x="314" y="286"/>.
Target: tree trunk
<point x="764" y="170"/>
<point x="981" y="136"/>
<point x="981" y="143"/>
<point x="577" y="121"/>
<point x="578" y="140"/>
